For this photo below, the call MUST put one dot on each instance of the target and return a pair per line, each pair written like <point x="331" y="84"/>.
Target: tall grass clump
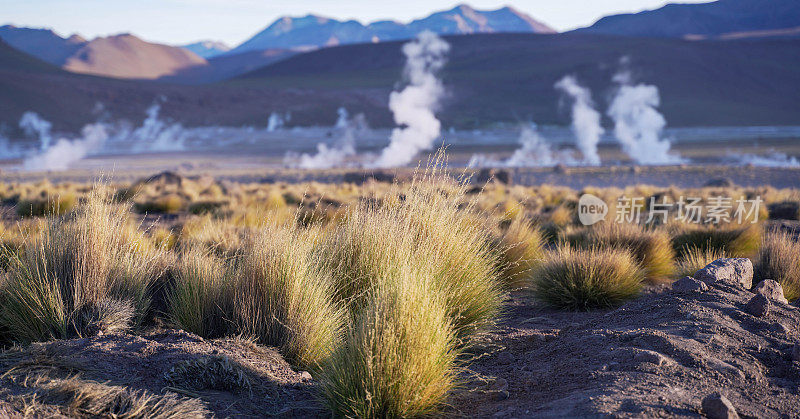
<point x="200" y="300"/>
<point x="282" y="299"/>
<point x="398" y="357"/>
<point x="733" y="240"/>
<point x="77" y="264"/>
<point x="693" y="259"/>
<point x="779" y="260"/>
<point x="431" y="232"/>
<point x="651" y="248"/>
<point x="585" y="279"/>
<point x="520" y="249"/>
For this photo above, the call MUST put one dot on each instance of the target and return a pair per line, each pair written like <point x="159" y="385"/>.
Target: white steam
<point x="336" y="155"/>
<point x="343" y="120"/>
<point x="157" y="135"/>
<point x="638" y="124"/>
<point x="585" y="119"/>
<point x="534" y="151"/>
<point x="774" y="159"/>
<point x="64" y="152"/>
<point x="414" y="106"/>
<point x="277" y="121"/>
<point x="35" y="126"/>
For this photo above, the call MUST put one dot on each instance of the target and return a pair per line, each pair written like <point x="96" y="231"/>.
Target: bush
<point x="283" y="300"/>
<point x="779" y="260"/>
<point x="651" y="248"/>
<point x="587" y="279"/>
<point x="85" y="259"/>
<point x="693" y="259"/>
<point x="41" y="207"/>
<point x="201" y="299"/>
<point x="398" y="358"/>
<point x="520" y="249"/>
<point x="730" y="239"/>
<point x="166" y="204"/>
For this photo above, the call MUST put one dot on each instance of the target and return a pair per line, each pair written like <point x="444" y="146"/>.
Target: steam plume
<point x="337" y="155"/>
<point x="585" y="119"/>
<point x="35" y="125"/>
<point x="156" y="134"/>
<point x="638" y="124"/>
<point x="534" y="151"/>
<point x="64" y="152"/>
<point x="414" y="106"/>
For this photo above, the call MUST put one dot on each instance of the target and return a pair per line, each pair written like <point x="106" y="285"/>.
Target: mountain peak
<point x="313" y="31"/>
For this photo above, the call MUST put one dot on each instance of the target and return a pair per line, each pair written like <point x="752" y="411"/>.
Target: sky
<point x="234" y="21"/>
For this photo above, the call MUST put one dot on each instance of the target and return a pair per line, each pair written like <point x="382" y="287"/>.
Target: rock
<point x="305" y="375"/>
<point x="758" y="306"/>
<point x="496" y="175"/>
<point x="772" y="290"/>
<point x="717" y="406"/>
<point x="689" y="284"/>
<point x="719" y="183"/>
<point x="730" y="271"/>
<point x="360" y="178"/>
<point x="650" y="357"/>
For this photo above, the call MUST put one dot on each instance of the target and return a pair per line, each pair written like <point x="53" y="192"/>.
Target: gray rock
<point x="717" y="406"/>
<point x="758" y="306"/>
<point x="306" y="376"/>
<point x="730" y="271"/>
<point x="650" y="357"/>
<point x="772" y="290"/>
<point x="689" y="284"/>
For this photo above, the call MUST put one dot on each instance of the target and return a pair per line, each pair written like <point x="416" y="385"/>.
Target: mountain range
<point x="313" y="31"/>
<point x="733" y="72"/>
<point x="719" y="19"/>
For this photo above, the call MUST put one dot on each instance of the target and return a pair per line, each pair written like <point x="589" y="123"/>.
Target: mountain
<point x="128" y="57"/>
<point x="313" y="31"/>
<point x="489" y="78"/>
<point x="225" y="66"/>
<point x="207" y="49"/>
<point x="722" y="18"/>
<point x="42" y="43"/>
<point x="509" y="77"/>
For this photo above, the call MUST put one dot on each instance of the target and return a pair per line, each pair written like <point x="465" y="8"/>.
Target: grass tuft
<point x="587" y="279"/>
<point x="779" y="260"/>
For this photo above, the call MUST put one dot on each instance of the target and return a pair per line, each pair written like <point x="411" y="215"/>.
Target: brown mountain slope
<point x="126" y="56"/>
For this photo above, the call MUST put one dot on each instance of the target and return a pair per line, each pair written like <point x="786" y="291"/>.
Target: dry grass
<point x="651" y="248"/>
<point x="398" y="357"/>
<point x="83" y="259"/>
<point x="693" y="259"/>
<point x="587" y="279"/>
<point x="779" y="260"/>
<point x="733" y="240"/>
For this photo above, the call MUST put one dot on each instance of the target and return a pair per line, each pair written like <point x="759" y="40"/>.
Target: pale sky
<point x="234" y="21"/>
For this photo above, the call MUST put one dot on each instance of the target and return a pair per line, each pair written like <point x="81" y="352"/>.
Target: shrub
<point x="650" y="248"/>
<point x="779" y="260"/>
<point x="587" y="279"/>
<point x="730" y="239"/>
<point x="40" y="207"/>
<point x="693" y="259"/>
<point x="201" y="299"/>
<point x="283" y="300"/>
<point x="207" y="207"/>
<point x="521" y="249"/>
<point x="167" y="204"/>
<point x="398" y="358"/>
<point x="87" y="258"/>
